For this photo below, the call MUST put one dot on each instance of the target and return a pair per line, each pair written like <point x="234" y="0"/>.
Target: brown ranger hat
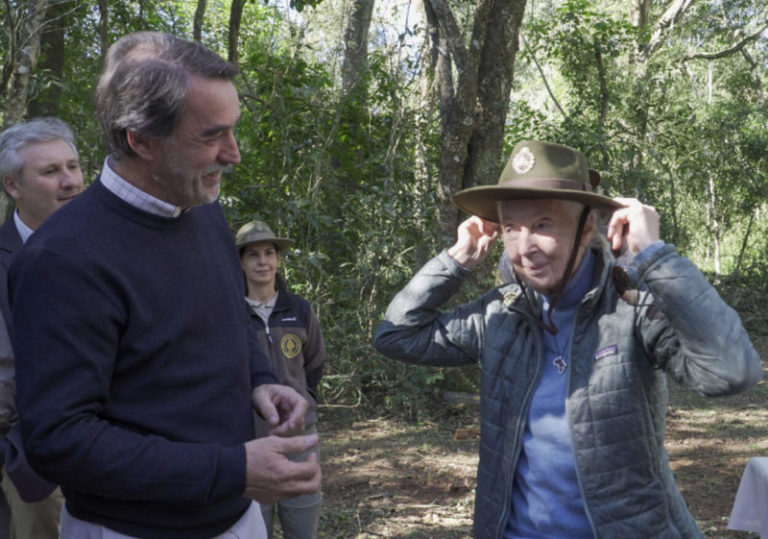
<point x="537" y="170"/>
<point x="258" y="231"/>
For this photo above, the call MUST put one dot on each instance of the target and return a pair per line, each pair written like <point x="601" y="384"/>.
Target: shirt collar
<point x="134" y="196"/>
<point x="256" y="304"/>
<point x="24" y="231"/>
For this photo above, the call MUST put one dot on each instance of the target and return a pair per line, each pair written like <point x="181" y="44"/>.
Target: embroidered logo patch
<point x="290" y="344"/>
<point x="523" y="160"/>
<point x="607" y="351"/>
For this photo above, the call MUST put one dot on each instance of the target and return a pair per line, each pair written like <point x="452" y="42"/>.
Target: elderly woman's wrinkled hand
<point x="635" y="226"/>
<point x="476" y="236"/>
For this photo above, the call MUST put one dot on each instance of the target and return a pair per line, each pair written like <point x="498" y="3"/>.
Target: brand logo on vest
<point x="290" y="344"/>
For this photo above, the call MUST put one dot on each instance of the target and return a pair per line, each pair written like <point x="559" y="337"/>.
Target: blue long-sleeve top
<point x="134" y="365"/>
<point x="546" y="499"/>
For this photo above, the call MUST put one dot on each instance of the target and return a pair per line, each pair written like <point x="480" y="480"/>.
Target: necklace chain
<point x="559" y="361"/>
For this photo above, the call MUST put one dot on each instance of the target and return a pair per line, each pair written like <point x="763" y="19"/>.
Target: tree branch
<point x="671" y="15"/>
<point x="479" y="30"/>
<point x="450" y="29"/>
<point x="544" y="78"/>
<point x="730" y="50"/>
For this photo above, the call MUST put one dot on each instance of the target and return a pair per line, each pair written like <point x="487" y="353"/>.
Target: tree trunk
<point x="103" y="28"/>
<point x="197" y="29"/>
<point x="46" y="103"/>
<point x="714" y="223"/>
<point x="745" y="242"/>
<point x="425" y="115"/>
<point x="357" y="22"/>
<point x="26" y="37"/>
<point x="449" y="171"/>
<point x="235" y="17"/>
<point x="640" y="12"/>
<point x="9" y="23"/>
<point x="474" y="107"/>
<point x="495" y="76"/>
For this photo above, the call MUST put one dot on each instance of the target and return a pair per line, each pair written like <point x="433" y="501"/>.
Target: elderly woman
<point x="289" y="333"/>
<point x="575" y="351"/>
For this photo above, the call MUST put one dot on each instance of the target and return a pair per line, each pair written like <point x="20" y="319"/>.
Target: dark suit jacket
<point x="31" y="487"/>
<point x="10" y="243"/>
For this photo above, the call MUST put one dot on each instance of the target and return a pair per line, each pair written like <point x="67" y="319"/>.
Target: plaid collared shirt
<point x="135" y="196"/>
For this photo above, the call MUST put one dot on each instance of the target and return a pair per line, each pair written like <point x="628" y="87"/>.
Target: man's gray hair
<point x="144" y="83"/>
<point x="13" y="139"/>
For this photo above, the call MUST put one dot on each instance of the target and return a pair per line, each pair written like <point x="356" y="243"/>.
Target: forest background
<point x="361" y="117"/>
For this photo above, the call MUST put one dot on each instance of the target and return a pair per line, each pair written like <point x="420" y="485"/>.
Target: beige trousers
<point x="250" y="526"/>
<point x="37" y="520"/>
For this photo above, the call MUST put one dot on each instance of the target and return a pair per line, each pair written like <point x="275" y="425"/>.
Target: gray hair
<point x="144" y="83"/>
<point x="13" y="139"/>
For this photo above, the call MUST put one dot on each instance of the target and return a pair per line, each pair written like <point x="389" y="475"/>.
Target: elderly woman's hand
<point x="475" y="238"/>
<point x="635" y="226"/>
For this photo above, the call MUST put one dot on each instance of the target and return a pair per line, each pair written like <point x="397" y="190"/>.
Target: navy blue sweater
<point x="134" y="365"/>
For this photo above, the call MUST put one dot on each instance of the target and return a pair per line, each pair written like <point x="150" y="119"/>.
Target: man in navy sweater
<point x="136" y="366"/>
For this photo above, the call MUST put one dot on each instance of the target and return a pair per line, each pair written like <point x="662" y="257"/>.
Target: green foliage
<point x="337" y="177"/>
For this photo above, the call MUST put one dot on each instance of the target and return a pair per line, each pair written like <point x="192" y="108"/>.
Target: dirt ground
<point x="386" y="478"/>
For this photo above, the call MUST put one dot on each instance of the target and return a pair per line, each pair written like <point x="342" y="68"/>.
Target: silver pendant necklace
<point x="560" y="363"/>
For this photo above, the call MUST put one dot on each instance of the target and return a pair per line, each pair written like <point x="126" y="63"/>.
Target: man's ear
<point x="144" y="145"/>
<point x="11" y="186"/>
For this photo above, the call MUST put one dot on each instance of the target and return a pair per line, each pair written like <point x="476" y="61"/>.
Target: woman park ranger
<point x="289" y="333"/>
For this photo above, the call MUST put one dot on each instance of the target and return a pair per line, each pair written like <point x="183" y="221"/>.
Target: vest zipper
<point x="570" y="432"/>
<point x="521" y="432"/>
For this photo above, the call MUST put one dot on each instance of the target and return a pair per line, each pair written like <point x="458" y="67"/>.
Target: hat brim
<point x="482" y="200"/>
<point x="282" y="243"/>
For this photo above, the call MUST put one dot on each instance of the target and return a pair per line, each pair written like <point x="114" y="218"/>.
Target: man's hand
<point x="282" y="407"/>
<point x="475" y="238"/>
<point x="636" y="226"/>
<point x="270" y="476"/>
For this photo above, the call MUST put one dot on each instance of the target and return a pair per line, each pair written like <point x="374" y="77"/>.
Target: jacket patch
<point x="510" y="297"/>
<point x="290" y="345"/>
<point x="288" y="319"/>
<point x="607" y="351"/>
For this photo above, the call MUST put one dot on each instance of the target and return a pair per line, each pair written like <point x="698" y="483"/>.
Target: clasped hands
<point x="270" y="474"/>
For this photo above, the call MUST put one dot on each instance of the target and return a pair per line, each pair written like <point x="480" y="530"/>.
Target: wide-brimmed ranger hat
<point x="258" y="231"/>
<point x="537" y="170"/>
